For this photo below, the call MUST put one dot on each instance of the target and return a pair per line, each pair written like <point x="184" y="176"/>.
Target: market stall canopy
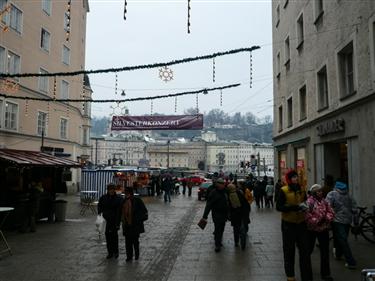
<point x="35" y="158"/>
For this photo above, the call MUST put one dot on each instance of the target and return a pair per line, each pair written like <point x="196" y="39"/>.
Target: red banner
<point x="159" y="122"/>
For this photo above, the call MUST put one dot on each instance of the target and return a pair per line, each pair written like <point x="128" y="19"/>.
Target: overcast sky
<point x="156" y="31"/>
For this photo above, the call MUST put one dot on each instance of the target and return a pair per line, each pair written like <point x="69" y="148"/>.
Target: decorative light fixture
<point x="188" y="19"/>
<point x="68" y="10"/>
<point x="123" y="93"/>
<point x="205" y="92"/>
<point x="9" y="86"/>
<point x="165" y="74"/>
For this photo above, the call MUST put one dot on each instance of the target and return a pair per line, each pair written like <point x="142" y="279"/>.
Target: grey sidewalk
<point x="173" y="248"/>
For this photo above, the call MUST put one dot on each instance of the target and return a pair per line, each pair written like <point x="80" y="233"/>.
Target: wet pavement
<point x="173" y="248"/>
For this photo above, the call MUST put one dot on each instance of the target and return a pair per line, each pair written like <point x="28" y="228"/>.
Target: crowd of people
<point x="307" y="216"/>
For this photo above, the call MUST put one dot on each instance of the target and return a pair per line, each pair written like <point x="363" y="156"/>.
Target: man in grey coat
<point x="344" y="207"/>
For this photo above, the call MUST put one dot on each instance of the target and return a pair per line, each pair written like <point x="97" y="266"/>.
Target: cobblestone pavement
<point x="173" y="248"/>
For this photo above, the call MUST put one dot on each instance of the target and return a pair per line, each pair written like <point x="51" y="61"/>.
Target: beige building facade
<point x="324" y="92"/>
<point x="44" y="36"/>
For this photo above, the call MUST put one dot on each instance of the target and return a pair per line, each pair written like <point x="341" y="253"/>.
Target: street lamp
<point x="168" y="143"/>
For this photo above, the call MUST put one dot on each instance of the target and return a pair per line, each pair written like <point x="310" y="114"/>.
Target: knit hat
<point x="220" y="180"/>
<point x="315" y="188"/>
<point x="341" y="185"/>
<point x="289" y="175"/>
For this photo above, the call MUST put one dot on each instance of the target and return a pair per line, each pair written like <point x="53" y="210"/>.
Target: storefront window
<point x="301" y="165"/>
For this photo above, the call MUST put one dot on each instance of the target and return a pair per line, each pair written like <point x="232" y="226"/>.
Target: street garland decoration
<point x="204" y="91"/>
<point x="130" y="68"/>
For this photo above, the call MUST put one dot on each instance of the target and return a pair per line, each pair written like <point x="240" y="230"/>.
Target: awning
<point x="34" y="158"/>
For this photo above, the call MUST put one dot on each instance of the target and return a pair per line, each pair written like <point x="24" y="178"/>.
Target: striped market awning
<point x="35" y="158"/>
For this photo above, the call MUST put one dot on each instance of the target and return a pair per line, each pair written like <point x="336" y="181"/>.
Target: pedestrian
<point x="183" y="181"/>
<point x="319" y="216"/>
<point x="258" y="194"/>
<point x="269" y="193"/>
<point x="190" y="187"/>
<point x="239" y="211"/>
<point x="167" y="186"/>
<point x="217" y="202"/>
<point x="110" y="206"/>
<point x="344" y="207"/>
<point x="134" y="213"/>
<point x="291" y="203"/>
<point x="158" y="185"/>
<point x="278" y="187"/>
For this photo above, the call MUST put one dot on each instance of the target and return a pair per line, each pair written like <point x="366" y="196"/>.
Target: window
<point x="45" y="40"/>
<point x="42" y="122"/>
<point x="287" y="51"/>
<point x="280" y="118"/>
<point x="346" y="71"/>
<point x="11" y="113"/>
<point x="13" y="63"/>
<point x="43" y="81"/>
<point x="302" y="103"/>
<point x="85" y="136"/>
<point x="66" y="55"/>
<point x="64" y="90"/>
<point x="46" y="6"/>
<point x="3" y="5"/>
<point x="277" y="15"/>
<point x="322" y="89"/>
<point x="63" y="128"/>
<point x="278" y="65"/>
<point x="87" y="109"/>
<point x="290" y="112"/>
<point x="300" y="33"/>
<point x="15" y="19"/>
<point x="2" y="59"/>
<point x="318" y="8"/>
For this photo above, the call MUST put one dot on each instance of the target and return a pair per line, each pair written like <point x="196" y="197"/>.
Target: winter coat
<point x="217" y="201"/>
<point x="319" y="214"/>
<point x="110" y="207"/>
<point x="240" y="214"/>
<point x="139" y="215"/>
<point x="342" y="204"/>
<point x="269" y="190"/>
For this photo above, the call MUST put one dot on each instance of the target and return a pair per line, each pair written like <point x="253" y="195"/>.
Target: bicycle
<point x="365" y="225"/>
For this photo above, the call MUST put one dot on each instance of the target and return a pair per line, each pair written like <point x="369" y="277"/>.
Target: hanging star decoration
<point x="117" y="109"/>
<point x="165" y="74"/>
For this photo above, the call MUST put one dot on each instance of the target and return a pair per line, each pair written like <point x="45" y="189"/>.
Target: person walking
<point x="190" y="187"/>
<point x="167" y="186"/>
<point x="217" y="202"/>
<point x="319" y="216"/>
<point x="110" y="206"/>
<point x="258" y="194"/>
<point x="239" y="211"/>
<point x="344" y="207"/>
<point x="269" y="193"/>
<point x="134" y="213"/>
<point x="290" y="203"/>
<point x="278" y="187"/>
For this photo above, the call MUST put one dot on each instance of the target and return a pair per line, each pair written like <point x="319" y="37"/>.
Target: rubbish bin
<point x="60" y="210"/>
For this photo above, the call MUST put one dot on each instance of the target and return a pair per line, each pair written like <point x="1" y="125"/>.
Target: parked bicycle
<point x="364" y="225"/>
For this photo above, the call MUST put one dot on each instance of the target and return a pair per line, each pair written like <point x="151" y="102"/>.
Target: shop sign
<point x="331" y="127"/>
<point x="300" y="163"/>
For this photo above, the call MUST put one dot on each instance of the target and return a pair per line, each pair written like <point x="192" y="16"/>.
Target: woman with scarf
<point x="134" y="213"/>
<point x="319" y="216"/>
<point x="239" y="214"/>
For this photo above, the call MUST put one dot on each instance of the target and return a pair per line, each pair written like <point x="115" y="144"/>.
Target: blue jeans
<point x="340" y="241"/>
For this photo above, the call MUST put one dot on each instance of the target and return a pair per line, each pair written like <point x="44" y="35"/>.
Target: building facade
<point x="42" y="37"/>
<point x="324" y="99"/>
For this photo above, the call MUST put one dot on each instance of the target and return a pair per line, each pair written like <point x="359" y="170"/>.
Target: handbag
<point x="202" y="223"/>
<point x="100" y="224"/>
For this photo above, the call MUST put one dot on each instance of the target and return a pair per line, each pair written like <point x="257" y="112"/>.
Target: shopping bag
<point x="100" y="224"/>
<point x="202" y="223"/>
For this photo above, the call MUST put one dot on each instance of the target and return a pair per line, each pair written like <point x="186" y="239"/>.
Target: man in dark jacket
<point x="134" y="213"/>
<point x="291" y="204"/>
<point x="218" y="202"/>
<point x="110" y="206"/>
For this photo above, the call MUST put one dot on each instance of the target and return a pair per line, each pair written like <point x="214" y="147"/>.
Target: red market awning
<point x="35" y="158"/>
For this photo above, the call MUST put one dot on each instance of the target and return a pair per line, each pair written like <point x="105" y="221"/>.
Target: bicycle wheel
<point x="368" y="228"/>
